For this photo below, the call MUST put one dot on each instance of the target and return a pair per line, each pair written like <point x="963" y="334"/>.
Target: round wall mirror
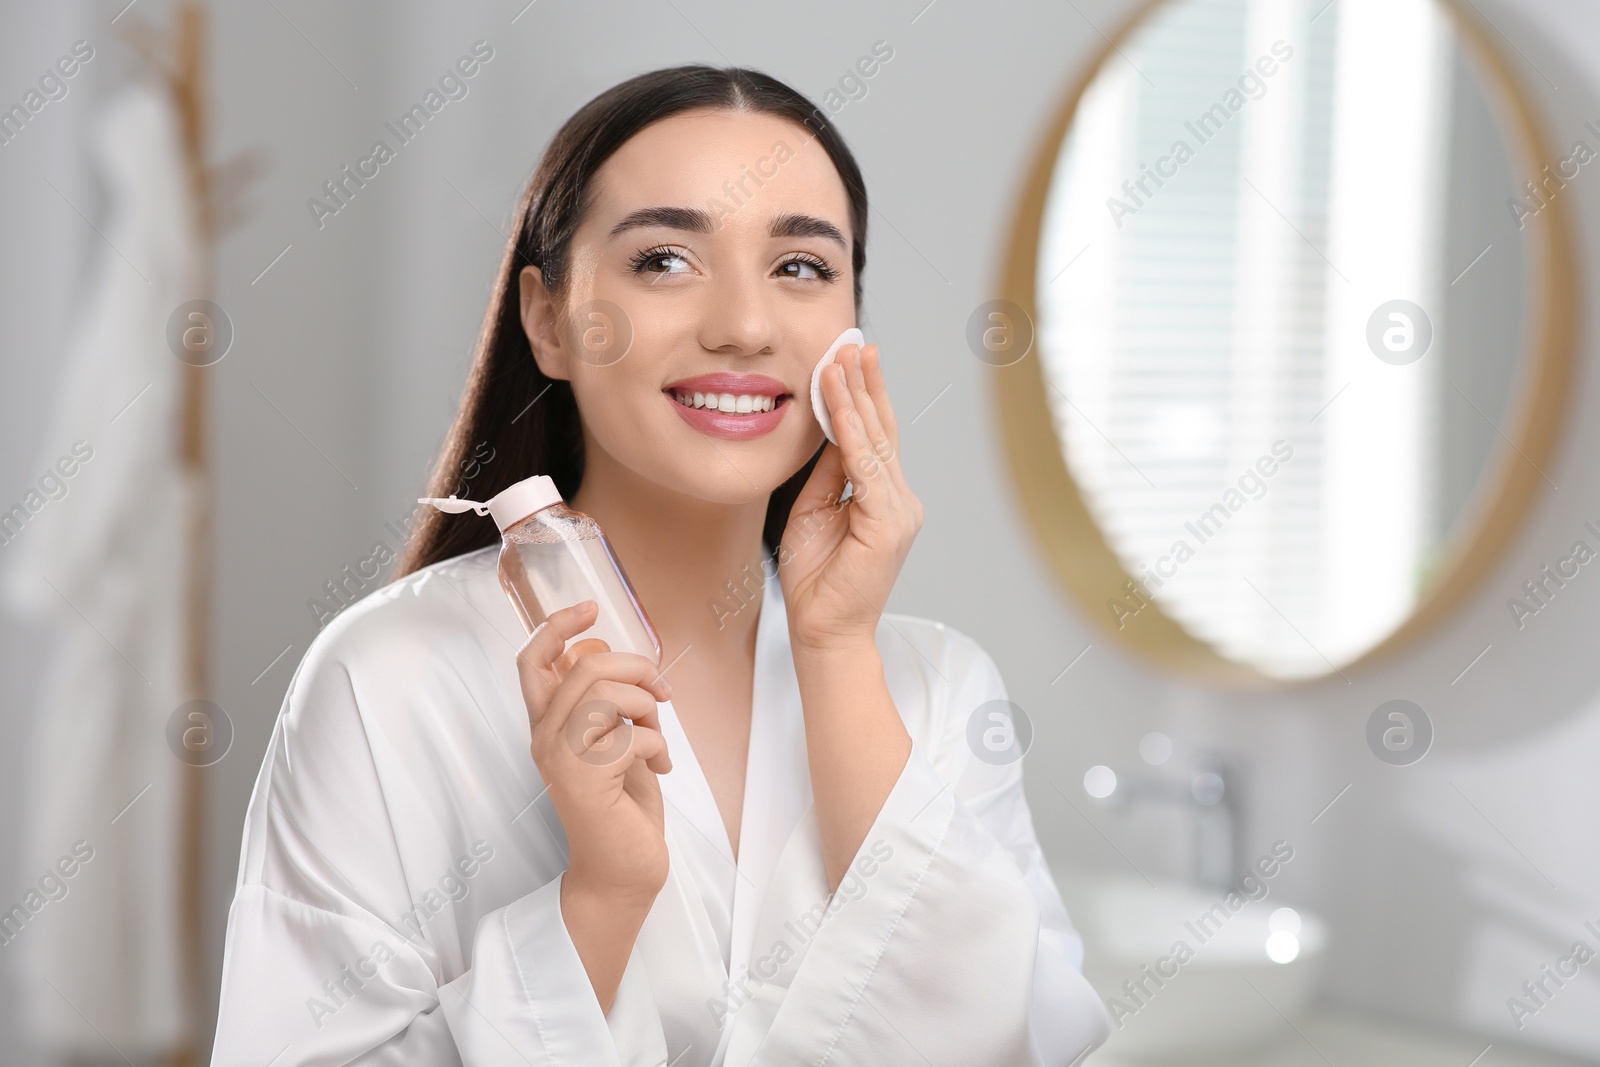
<point x="1299" y="290"/>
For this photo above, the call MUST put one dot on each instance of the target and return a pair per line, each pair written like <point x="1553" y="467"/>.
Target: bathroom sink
<point x="1185" y="975"/>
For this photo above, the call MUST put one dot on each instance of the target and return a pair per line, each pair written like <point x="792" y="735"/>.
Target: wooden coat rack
<point x="177" y="60"/>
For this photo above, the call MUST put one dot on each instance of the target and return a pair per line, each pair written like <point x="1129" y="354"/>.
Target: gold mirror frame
<point x="1072" y="541"/>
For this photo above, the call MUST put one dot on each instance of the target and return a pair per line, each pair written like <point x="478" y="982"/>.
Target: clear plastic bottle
<point x="552" y="557"/>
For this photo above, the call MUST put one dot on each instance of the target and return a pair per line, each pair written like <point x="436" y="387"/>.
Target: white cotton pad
<point x="819" y="404"/>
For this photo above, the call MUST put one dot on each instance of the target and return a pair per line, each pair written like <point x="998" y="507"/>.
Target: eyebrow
<point x="697" y="221"/>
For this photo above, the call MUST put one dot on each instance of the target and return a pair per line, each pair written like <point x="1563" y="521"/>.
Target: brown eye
<point x="818" y="269"/>
<point x="644" y="262"/>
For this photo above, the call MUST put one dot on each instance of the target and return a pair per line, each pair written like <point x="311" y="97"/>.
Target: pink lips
<point x="726" y="424"/>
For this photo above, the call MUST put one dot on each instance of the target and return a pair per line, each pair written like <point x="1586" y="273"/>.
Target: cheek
<point x="621" y="408"/>
<point x="612" y="379"/>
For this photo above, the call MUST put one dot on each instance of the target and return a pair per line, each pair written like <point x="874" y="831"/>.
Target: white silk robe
<point x="399" y="886"/>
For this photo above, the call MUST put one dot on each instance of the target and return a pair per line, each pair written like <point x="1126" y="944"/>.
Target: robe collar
<point x="778" y="875"/>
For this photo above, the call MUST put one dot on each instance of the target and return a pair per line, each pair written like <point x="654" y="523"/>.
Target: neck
<point x="680" y="554"/>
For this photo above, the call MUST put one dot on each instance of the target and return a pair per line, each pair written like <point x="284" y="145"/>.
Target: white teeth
<point x="740" y="404"/>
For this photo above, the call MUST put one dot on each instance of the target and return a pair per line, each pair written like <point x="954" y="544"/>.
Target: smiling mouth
<point x="728" y="403"/>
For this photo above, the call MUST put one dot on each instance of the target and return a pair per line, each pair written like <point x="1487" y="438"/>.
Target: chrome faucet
<point x="1209" y="792"/>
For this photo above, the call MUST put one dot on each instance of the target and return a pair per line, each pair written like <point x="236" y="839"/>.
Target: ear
<point x="539" y="323"/>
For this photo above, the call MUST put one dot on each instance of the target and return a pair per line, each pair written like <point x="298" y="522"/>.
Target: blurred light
<point x="1207" y="787"/>
<point x="1155" y="748"/>
<point x="1099" y="781"/>
<point x="1284" y="920"/>
<point x="1182" y="430"/>
<point x="1282" y="947"/>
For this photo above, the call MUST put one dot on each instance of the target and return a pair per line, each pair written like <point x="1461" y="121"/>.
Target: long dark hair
<point x="528" y="422"/>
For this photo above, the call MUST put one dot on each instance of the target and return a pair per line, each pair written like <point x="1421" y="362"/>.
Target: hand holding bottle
<point x="598" y="746"/>
<point x="599" y="766"/>
<point x="594" y="733"/>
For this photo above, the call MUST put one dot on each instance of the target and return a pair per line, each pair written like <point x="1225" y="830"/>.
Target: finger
<point x="826" y="482"/>
<point x="861" y="464"/>
<point x="819" y="504"/>
<point x="872" y="369"/>
<point x="537" y="656"/>
<point x="820" y="507"/>
<point x="873" y="405"/>
<point x="636" y="703"/>
<point x="578" y="649"/>
<point x="627" y="667"/>
<point x="600" y="737"/>
<point x="597" y="734"/>
<point x="650" y="748"/>
<point x="866" y="405"/>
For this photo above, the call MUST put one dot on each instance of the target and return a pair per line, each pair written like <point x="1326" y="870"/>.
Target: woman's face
<point x="714" y="259"/>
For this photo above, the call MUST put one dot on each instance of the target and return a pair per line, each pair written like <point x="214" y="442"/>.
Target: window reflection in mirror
<point x="1283" y="303"/>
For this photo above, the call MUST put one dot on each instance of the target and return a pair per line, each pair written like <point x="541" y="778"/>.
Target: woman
<point x="762" y="859"/>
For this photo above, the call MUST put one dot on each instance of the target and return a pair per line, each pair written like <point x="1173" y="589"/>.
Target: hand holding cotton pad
<point x="819" y="406"/>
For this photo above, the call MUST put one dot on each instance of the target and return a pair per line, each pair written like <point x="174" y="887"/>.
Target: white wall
<point x="361" y="334"/>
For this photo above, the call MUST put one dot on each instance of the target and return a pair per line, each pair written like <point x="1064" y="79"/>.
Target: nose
<point x="738" y="317"/>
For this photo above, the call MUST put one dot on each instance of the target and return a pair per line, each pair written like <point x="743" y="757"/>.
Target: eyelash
<point x="644" y="256"/>
<point x="827" y="273"/>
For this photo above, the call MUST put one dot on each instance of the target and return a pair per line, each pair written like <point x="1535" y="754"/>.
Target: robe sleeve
<point x="315" y="971"/>
<point x="956" y="948"/>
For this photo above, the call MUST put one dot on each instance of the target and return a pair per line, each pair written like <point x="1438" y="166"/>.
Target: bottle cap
<point x="819" y="405"/>
<point x="507" y="507"/>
